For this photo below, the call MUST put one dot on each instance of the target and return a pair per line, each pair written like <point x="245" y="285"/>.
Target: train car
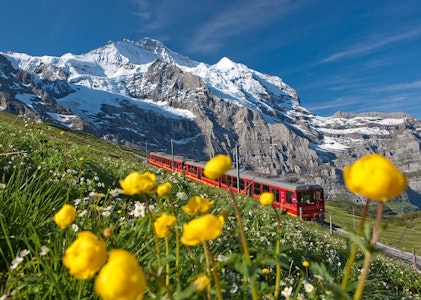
<point x="297" y="199"/>
<point x="165" y="161"/>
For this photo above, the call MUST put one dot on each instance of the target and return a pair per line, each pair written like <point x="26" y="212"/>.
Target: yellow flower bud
<point x="85" y="256"/>
<point x="65" y="216"/>
<point x="197" y="205"/>
<point x="201" y="283"/>
<point x="163" y="225"/>
<point x="120" y="278"/>
<point x="265" y="271"/>
<point x="136" y="183"/>
<point x="217" y="166"/>
<point x="266" y="198"/>
<point x="202" y="229"/>
<point x="375" y="177"/>
<point x="163" y="189"/>
<point x="306" y="264"/>
<point x="107" y="232"/>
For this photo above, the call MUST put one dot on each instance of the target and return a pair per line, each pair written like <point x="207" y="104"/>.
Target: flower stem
<point x="354" y="251"/>
<point x="277" y="251"/>
<point x="177" y="240"/>
<point x="246" y="252"/>
<point x="212" y="268"/>
<point x="167" y="265"/>
<point x="367" y="259"/>
<point x="157" y="250"/>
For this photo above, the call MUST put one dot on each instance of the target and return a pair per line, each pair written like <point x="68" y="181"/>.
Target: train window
<point x="290" y="196"/>
<point x="234" y="182"/>
<point x="305" y="197"/>
<point x="256" y="190"/>
<point x="265" y="188"/>
<point x="241" y="184"/>
<point x="276" y="194"/>
<point x="192" y="170"/>
<point x="224" y="179"/>
<point x="318" y="195"/>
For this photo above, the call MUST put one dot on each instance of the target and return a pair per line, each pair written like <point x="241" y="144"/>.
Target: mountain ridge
<point x="142" y="94"/>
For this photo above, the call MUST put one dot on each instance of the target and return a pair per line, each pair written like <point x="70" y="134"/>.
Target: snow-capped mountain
<point x="142" y="94"/>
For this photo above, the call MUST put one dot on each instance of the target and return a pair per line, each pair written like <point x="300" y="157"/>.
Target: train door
<point x="277" y="198"/>
<point x="257" y="190"/>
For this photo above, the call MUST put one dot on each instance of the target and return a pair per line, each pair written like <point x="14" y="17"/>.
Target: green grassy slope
<point x="401" y="231"/>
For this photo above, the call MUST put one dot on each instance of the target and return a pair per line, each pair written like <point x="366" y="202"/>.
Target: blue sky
<point x="353" y="56"/>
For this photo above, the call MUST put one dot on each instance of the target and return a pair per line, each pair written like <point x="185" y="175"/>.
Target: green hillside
<point x="401" y="231"/>
<point x="43" y="167"/>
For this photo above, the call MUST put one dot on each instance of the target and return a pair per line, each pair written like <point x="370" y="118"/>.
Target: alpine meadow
<point x="148" y="232"/>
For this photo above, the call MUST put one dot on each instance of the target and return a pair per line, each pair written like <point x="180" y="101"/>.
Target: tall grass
<point x="41" y="169"/>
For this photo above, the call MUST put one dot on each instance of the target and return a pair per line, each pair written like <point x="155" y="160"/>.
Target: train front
<point x="310" y="202"/>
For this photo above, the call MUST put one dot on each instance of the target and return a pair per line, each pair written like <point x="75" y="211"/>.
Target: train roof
<point x="273" y="181"/>
<point x="247" y="175"/>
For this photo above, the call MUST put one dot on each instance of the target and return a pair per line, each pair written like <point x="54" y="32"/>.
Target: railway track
<point x="406" y="257"/>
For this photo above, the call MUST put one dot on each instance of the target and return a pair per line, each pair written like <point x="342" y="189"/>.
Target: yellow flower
<point x="81" y="158"/>
<point x="62" y="133"/>
<point x="121" y="277"/>
<point x="164" y="189"/>
<point x="266" y="198"/>
<point x="65" y="216"/>
<point x="163" y="225"/>
<point x="85" y="256"/>
<point x="197" y="205"/>
<point x="375" y="177"/>
<point x="201" y="283"/>
<point x="136" y="183"/>
<point x="202" y="229"/>
<point x="217" y="166"/>
<point x="265" y="271"/>
<point x="107" y="232"/>
<point x="306" y="264"/>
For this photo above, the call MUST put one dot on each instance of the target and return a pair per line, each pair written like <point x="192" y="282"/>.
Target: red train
<point x="299" y="200"/>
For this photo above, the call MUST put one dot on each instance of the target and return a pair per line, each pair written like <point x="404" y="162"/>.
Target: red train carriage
<point x="165" y="161"/>
<point x="304" y="200"/>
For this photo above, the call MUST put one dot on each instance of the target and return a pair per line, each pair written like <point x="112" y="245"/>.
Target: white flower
<point x="6" y="296"/>
<point x="24" y="253"/>
<point x="308" y="287"/>
<point x="287" y="292"/>
<point x="221" y="258"/>
<point x="74" y="227"/>
<point x="44" y="250"/>
<point x="105" y="213"/>
<point x="139" y="210"/>
<point x="182" y="196"/>
<point x="16" y="262"/>
<point x="115" y="192"/>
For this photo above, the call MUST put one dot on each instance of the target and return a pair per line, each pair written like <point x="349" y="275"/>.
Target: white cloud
<point x="237" y="19"/>
<point x="372" y="44"/>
